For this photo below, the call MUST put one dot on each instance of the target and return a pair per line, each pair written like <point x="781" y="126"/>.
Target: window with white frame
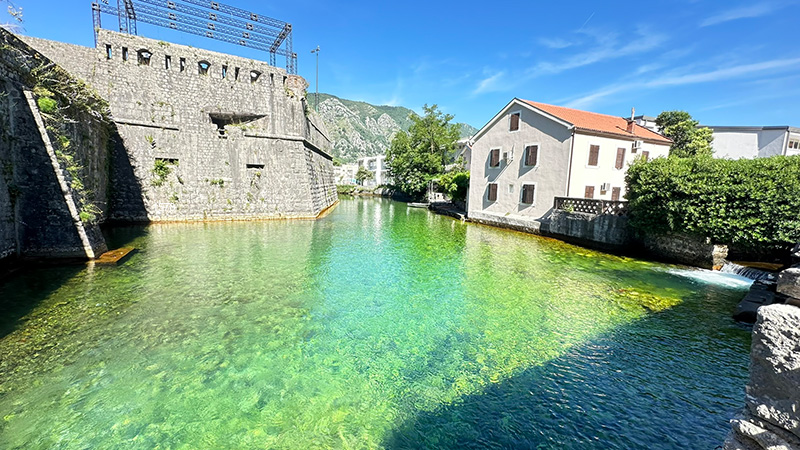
<point x="513" y="121"/>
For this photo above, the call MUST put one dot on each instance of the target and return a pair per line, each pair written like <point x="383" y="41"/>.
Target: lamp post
<point x="316" y="95"/>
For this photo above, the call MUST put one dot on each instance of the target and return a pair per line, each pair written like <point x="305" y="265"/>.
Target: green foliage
<point x="47" y="105"/>
<point x="161" y="170"/>
<point x="337" y="162"/>
<point x="217" y="182"/>
<point x="419" y="155"/>
<point x="363" y="174"/>
<point x="687" y="139"/>
<point x="753" y="204"/>
<point x="455" y="185"/>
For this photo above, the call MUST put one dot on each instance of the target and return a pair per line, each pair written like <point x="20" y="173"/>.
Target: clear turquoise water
<point x="377" y="327"/>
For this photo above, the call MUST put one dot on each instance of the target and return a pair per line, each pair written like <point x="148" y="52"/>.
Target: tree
<point x="687" y="139"/>
<point x="417" y="156"/>
<point x="363" y="174"/>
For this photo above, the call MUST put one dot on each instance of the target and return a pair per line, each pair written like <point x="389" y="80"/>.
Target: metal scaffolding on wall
<point x="210" y="19"/>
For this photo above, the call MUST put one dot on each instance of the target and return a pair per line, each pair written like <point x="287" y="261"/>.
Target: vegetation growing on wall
<point x="67" y="105"/>
<point x="752" y="204"/>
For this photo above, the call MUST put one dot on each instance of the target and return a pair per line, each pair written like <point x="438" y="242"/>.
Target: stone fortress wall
<point x="54" y="178"/>
<point x="204" y="135"/>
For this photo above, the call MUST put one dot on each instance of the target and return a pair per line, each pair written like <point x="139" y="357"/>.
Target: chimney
<point x="631" y="121"/>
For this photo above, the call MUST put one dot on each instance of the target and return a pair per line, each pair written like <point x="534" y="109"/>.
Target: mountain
<point x="360" y="129"/>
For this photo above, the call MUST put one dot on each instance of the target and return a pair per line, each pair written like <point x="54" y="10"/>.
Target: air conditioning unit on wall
<point x="637" y="145"/>
<point x="508" y="156"/>
<point x="605" y="187"/>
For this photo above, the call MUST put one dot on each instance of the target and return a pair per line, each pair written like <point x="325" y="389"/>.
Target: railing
<point x="591" y="206"/>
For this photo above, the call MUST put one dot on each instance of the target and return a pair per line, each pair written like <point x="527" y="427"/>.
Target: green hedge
<point x="752" y="204"/>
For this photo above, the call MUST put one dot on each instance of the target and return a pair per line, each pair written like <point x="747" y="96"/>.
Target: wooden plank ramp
<point x="115" y="257"/>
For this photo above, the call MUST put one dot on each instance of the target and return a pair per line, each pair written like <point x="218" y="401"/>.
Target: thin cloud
<point x="746" y="12"/>
<point x="555" y="43"/>
<point x="608" y="47"/>
<point x="686" y="79"/>
<point x="491" y="84"/>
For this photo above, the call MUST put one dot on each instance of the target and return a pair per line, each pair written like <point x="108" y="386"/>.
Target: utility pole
<point x="316" y="95"/>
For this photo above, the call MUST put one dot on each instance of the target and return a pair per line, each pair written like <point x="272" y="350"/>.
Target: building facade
<point x="530" y="153"/>
<point x="345" y="174"/>
<point x="755" y="142"/>
<point x="377" y="165"/>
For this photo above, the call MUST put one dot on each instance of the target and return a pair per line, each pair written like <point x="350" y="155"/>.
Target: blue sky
<point x="726" y="62"/>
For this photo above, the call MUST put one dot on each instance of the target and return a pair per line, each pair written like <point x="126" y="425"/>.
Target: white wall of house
<point x="749" y="143"/>
<point x="735" y="144"/>
<point x="376" y="165"/>
<point x="345" y="174"/>
<point x="793" y="144"/>
<point x="549" y="176"/>
<point x="582" y="174"/>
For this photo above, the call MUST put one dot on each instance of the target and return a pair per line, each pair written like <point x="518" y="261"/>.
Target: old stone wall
<point x="686" y="249"/>
<point x="771" y="419"/>
<point x="53" y="191"/>
<point x="606" y="231"/>
<point x="204" y="135"/>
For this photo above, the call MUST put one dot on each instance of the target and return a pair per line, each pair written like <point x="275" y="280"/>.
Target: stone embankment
<point x="771" y="418"/>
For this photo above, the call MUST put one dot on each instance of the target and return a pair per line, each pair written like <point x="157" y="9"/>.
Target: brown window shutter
<point x="615" y="194"/>
<point x="494" y="157"/>
<point x="620" y="163"/>
<point x="589" y="192"/>
<point x="645" y="155"/>
<point x="514" y="122"/>
<point x="594" y="154"/>
<point x="527" y="193"/>
<point x="492" y="192"/>
<point x="531" y="155"/>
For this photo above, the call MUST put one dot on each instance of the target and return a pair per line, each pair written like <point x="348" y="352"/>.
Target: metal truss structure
<point x="204" y="18"/>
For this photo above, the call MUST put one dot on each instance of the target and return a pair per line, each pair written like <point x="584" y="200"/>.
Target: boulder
<point x="789" y="282"/>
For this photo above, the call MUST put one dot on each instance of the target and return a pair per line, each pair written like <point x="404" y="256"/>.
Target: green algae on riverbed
<point x="379" y="326"/>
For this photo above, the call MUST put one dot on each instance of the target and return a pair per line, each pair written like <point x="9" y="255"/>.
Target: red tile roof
<point x="601" y="123"/>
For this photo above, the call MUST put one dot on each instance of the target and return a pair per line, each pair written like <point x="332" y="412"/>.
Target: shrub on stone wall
<point x="752" y="204"/>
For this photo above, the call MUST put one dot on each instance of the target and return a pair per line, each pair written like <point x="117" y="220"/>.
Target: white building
<point x="377" y="165"/>
<point x="530" y="153"/>
<point x="755" y="142"/>
<point x="345" y="174"/>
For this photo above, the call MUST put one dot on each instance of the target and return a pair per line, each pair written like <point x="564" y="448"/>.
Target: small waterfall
<point x="747" y="272"/>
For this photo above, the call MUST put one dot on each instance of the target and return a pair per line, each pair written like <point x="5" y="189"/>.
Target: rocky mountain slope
<point x="361" y="129"/>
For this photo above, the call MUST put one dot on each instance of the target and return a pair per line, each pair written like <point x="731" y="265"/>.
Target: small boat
<point x="418" y="205"/>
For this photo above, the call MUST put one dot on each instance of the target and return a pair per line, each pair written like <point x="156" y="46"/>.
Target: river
<point x="379" y="326"/>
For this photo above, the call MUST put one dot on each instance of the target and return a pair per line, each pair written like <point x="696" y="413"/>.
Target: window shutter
<point x="527" y="193"/>
<point x="589" y="192"/>
<point x="531" y="155"/>
<point x="615" y="194"/>
<point x="594" y="154"/>
<point x="494" y="157"/>
<point x="645" y="155"/>
<point x="492" y="192"/>
<point x="620" y="163"/>
<point x="514" y="126"/>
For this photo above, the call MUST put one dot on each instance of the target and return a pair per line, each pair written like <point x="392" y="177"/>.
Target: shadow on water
<point x="643" y="385"/>
<point x="14" y="306"/>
